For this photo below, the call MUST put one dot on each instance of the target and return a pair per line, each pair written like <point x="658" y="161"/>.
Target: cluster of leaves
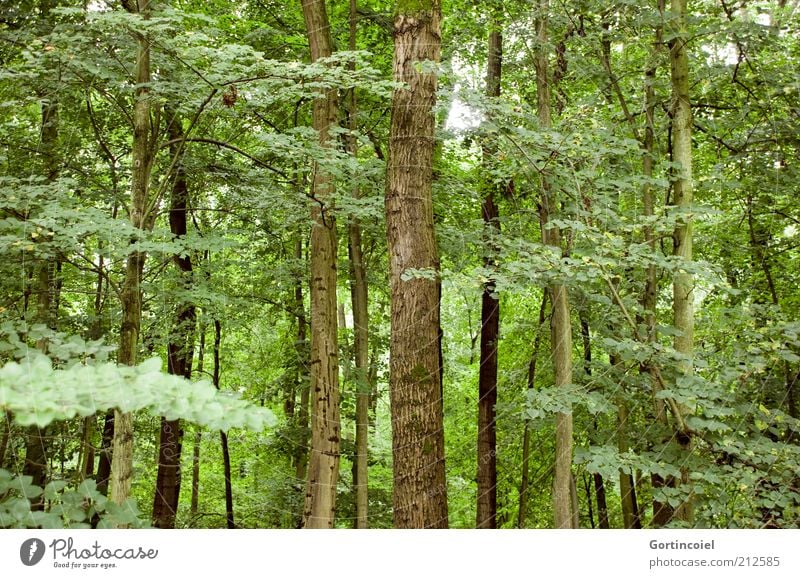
<point x="75" y="508"/>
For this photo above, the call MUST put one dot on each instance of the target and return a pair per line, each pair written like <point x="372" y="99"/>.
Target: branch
<point x="234" y="148"/>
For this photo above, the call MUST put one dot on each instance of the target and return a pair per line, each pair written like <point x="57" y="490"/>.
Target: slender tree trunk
<point x="627" y="487"/>
<point x="5" y="437"/>
<point x="561" y="326"/>
<point x="36" y="438"/>
<point x="323" y="465"/>
<point x="195" y="498"/>
<point x="662" y="511"/>
<point x="226" y="462"/>
<point x="420" y="486"/>
<point x="86" y="462"/>
<point x="487" y="396"/>
<point x="131" y="297"/>
<point x="198" y="434"/>
<point x="226" y="455"/>
<point x="106" y="452"/>
<point x="599" y="483"/>
<point x="522" y="511"/>
<point x="490" y="320"/>
<point x="758" y="247"/>
<point x="180" y="346"/>
<point x="683" y="281"/>
<point x="360" y="302"/>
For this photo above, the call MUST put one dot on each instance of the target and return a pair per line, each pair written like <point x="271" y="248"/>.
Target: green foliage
<point x="37" y="394"/>
<point x="74" y="508"/>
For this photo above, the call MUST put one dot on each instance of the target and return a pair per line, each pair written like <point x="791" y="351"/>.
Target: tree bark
<point x="5" y="437"/>
<point x="106" y="453"/>
<point x="490" y="319"/>
<point x="360" y="301"/>
<point x="561" y="326"/>
<point x="420" y="486"/>
<point x="37" y="438"/>
<point x="226" y="455"/>
<point x="522" y="511"/>
<point x="599" y="482"/>
<point x="180" y="346"/>
<point x="627" y="487"/>
<point x="683" y="281"/>
<point x="198" y="435"/>
<point x="131" y="297"/>
<point x="323" y="465"/>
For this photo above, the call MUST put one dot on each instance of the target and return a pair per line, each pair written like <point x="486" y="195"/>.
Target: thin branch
<point x="229" y="146"/>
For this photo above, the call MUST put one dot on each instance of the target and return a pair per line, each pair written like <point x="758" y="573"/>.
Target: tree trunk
<point x="420" y="486"/>
<point x="323" y="465"/>
<point x="526" y="436"/>
<point x="490" y="320"/>
<point x="86" y="463"/>
<point x="198" y="434"/>
<point x="662" y="512"/>
<point x="5" y="437"/>
<point x="360" y="303"/>
<point x="627" y="487"/>
<point x="226" y="462"/>
<point x="106" y="453"/>
<point x="180" y="346"/>
<point x="760" y="258"/>
<point x="599" y="483"/>
<point x="561" y="326"/>
<point x="226" y="455"/>
<point x="683" y="281"/>
<point x="131" y="297"/>
<point x="36" y="438"/>
<point x="195" y="498"/>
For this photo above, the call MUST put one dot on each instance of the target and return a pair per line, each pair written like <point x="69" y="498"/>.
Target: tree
<point x="420" y="486"/>
<point x="180" y="346"/>
<point x="141" y="217"/>
<point x="561" y="325"/>
<point x="683" y="280"/>
<point x="360" y="303"/>
<point x="490" y="319"/>
<point x="323" y="465"/>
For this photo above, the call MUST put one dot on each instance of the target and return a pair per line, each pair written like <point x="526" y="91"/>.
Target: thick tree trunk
<point x="360" y="303"/>
<point x="131" y="295"/>
<point x="683" y="281"/>
<point x="561" y="325"/>
<point x="180" y="347"/>
<point x="522" y="511"/>
<point x="323" y="465"/>
<point x="490" y="322"/>
<point x="420" y="485"/>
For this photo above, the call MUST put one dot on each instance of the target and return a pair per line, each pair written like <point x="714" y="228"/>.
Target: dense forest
<point x="411" y="264"/>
